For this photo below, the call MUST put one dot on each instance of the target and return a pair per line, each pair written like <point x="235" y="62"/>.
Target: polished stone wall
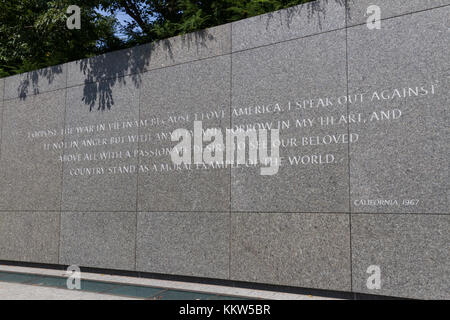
<point x="86" y="176"/>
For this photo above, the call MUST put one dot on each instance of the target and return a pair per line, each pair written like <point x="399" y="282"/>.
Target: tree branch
<point x="132" y="10"/>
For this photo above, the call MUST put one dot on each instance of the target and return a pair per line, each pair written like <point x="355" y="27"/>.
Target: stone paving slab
<point x="17" y="291"/>
<point x="133" y="287"/>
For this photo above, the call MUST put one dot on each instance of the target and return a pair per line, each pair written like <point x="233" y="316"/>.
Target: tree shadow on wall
<point x="102" y="73"/>
<point x="314" y="10"/>
<point x="32" y="80"/>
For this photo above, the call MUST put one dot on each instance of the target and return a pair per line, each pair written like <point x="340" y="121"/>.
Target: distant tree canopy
<point x="33" y="33"/>
<point x="158" y="19"/>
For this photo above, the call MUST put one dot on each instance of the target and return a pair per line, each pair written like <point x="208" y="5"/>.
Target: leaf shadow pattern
<point x="314" y="10"/>
<point x="32" y="80"/>
<point x="102" y="73"/>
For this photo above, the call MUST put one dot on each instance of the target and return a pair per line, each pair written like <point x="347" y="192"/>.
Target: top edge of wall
<point x="359" y="11"/>
<point x="288" y="24"/>
<point x="194" y="46"/>
<point x="35" y="82"/>
<point x="295" y="22"/>
<point x="2" y="89"/>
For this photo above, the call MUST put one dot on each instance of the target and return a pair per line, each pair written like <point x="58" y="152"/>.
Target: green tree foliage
<point x="159" y="19"/>
<point x="33" y="33"/>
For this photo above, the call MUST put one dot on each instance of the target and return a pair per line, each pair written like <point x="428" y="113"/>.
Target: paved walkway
<point x="16" y="291"/>
<point x="47" y="284"/>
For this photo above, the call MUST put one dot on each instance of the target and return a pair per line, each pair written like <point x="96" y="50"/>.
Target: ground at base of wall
<point x="23" y="283"/>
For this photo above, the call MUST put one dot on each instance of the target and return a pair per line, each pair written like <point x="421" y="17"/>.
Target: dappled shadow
<point x="103" y="72"/>
<point x="198" y="39"/>
<point x="314" y="10"/>
<point x="33" y="80"/>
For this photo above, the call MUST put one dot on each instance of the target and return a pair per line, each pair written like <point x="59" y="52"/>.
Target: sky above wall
<point x="122" y="18"/>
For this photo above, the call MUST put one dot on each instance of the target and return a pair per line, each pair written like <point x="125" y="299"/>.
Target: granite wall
<point x="86" y="176"/>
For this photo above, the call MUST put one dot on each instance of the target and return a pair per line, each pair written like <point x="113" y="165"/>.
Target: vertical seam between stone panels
<point x="137" y="176"/>
<point x="231" y="177"/>
<point x="62" y="166"/>
<point x="348" y="147"/>
<point x="2" y="105"/>
<point x="400" y="15"/>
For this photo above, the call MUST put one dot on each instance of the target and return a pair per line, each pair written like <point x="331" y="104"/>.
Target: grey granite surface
<point x="35" y="82"/>
<point x="287" y="24"/>
<point x="313" y="176"/>
<point x="134" y="61"/>
<point x="363" y="181"/>
<point x="307" y="250"/>
<point x="400" y="163"/>
<point x="207" y="43"/>
<point x="29" y="236"/>
<point x="110" y="66"/>
<point x="104" y="177"/>
<point x="189" y="243"/>
<point x="171" y="98"/>
<point x="357" y="9"/>
<point x="98" y="239"/>
<point x="2" y="89"/>
<point x="30" y="173"/>
<point x="411" y="251"/>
